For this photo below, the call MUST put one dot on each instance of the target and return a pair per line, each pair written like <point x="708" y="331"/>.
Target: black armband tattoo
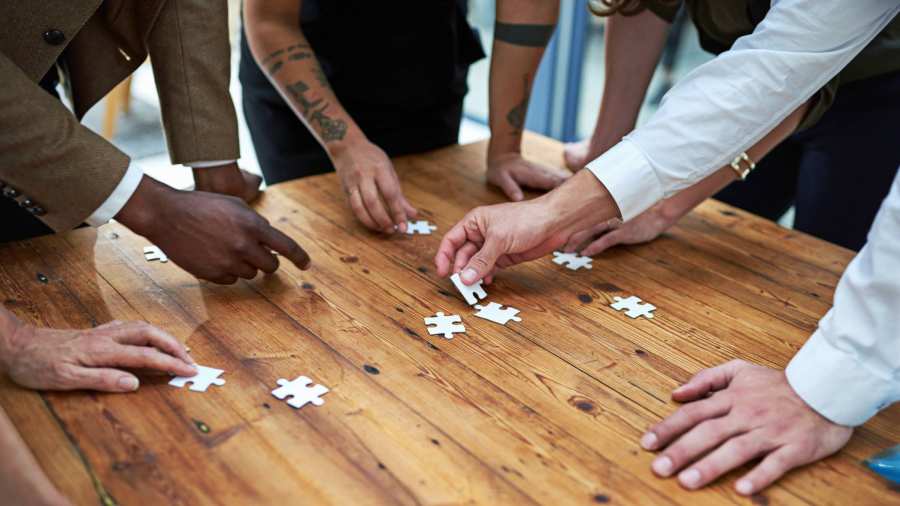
<point x="523" y="35"/>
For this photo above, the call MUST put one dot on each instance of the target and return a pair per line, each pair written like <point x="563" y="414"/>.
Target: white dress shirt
<point x="725" y="106"/>
<point x="850" y="368"/>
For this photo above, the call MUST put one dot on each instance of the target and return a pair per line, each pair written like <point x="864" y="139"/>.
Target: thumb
<point x="482" y="263"/>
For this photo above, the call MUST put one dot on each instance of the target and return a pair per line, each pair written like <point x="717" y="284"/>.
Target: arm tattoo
<point x="314" y="111"/>
<point x="276" y="60"/>
<point x="523" y="35"/>
<point x="516" y="116"/>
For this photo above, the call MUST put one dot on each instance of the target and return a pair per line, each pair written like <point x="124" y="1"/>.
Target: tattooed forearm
<point x="516" y="116"/>
<point x="276" y="60"/>
<point x="523" y="35"/>
<point x="330" y="129"/>
<point x="321" y="77"/>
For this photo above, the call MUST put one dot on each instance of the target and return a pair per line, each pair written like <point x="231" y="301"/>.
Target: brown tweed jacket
<point x="63" y="170"/>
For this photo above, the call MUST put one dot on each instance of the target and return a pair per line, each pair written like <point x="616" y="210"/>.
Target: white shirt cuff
<point x="835" y="384"/>
<point x="118" y="198"/>
<point x="629" y="178"/>
<point x="206" y="165"/>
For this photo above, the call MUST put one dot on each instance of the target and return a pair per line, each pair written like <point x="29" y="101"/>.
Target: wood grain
<point x="543" y="411"/>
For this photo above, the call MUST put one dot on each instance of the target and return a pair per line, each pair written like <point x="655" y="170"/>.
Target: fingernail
<point x="744" y="487"/>
<point x="690" y="478"/>
<point x="662" y="466"/>
<point x="468" y="276"/>
<point x="648" y="442"/>
<point x="129" y="383"/>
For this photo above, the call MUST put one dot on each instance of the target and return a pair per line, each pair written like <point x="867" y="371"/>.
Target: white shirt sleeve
<point x="850" y="367"/>
<point x="118" y="198"/>
<point x="725" y="106"/>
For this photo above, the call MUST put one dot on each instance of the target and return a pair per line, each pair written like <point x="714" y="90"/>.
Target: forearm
<point x="522" y="30"/>
<point x="681" y="203"/>
<point x="287" y="59"/>
<point x="22" y="481"/>
<point x="632" y="51"/>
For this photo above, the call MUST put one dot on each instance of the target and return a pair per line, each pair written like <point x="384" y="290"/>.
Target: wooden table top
<point x="548" y="410"/>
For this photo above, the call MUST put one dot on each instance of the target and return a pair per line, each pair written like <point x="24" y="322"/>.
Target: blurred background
<point x="564" y="102"/>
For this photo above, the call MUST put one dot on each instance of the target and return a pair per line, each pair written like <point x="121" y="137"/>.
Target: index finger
<point x="278" y="241"/>
<point x="450" y="244"/>
<point x="144" y="334"/>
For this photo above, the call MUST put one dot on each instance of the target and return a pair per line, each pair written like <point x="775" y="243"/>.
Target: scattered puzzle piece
<point x="497" y="313"/>
<point x="468" y="292"/>
<point x="634" y="306"/>
<point x="420" y="227"/>
<point x="300" y="392"/>
<point x="152" y="253"/>
<point x="446" y="325"/>
<point x="205" y="377"/>
<point x="572" y="260"/>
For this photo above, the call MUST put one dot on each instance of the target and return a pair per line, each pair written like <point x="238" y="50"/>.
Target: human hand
<point x="738" y="412"/>
<point x="498" y="236"/>
<point x="212" y="236"/>
<point x="48" y="359"/>
<point x="643" y="228"/>
<point x="510" y="172"/>
<point x="228" y="179"/>
<point x="372" y="187"/>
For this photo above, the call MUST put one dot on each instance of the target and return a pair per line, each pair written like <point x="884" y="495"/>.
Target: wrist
<point x="11" y="332"/>
<point x="501" y="150"/>
<point x="142" y="212"/>
<point x="216" y="178"/>
<point x="352" y="141"/>
<point x="580" y="202"/>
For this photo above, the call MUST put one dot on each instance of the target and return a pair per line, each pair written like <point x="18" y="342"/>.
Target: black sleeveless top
<point x="401" y="53"/>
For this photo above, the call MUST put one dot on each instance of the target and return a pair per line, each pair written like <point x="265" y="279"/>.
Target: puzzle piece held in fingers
<point x="469" y="292"/>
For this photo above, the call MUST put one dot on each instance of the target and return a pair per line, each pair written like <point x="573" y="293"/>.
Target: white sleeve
<point x="849" y="369"/>
<point x="725" y="106"/>
<point x="118" y="198"/>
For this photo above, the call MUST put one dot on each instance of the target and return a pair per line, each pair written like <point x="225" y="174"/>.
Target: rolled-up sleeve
<point x="850" y="368"/>
<point x="725" y="106"/>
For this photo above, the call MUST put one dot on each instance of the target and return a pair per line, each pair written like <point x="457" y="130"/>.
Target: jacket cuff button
<point x="10" y="192"/>
<point x="54" y="37"/>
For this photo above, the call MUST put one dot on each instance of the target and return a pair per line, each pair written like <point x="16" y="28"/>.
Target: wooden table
<point x="546" y="411"/>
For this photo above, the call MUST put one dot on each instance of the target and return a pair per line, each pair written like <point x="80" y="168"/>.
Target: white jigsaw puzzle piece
<point x="152" y="253"/>
<point x="469" y="292"/>
<point x="420" y="227"/>
<point x="300" y="392"/>
<point x="497" y="313"/>
<point x="205" y="377"/>
<point x="573" y="261"/>
<point x="635" y="307"/>
<point x="444" y="325"/>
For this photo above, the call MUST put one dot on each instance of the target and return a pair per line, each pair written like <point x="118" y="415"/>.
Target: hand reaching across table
<point x="214" y="237"/>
